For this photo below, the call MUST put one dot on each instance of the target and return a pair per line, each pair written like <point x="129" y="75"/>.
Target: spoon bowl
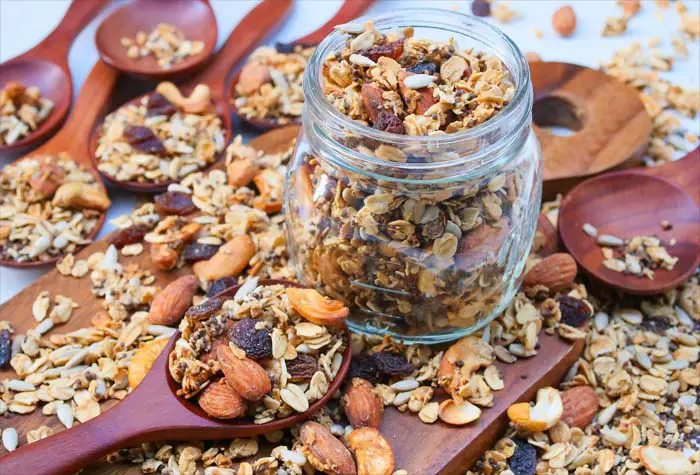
<point x="195" y="18"/>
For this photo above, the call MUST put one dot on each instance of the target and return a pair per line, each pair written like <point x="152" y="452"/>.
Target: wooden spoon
<point x="72" y="138"/>
<point x="350" y="10"/>
<point x="195" y="18"/>
<point x="46" y="67"/>
<point x="633" y="203"/>
<point x="256" y="24"/>
<point x="151" y="412"/>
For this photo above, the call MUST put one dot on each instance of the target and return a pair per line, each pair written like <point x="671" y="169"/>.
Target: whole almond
<point x="546" y="240"/>
<point x="564" y="21"/>
<point x="244" y="375"/>
<point x="325" y="452"/>
<point x="363" y="406"/>
<point x="372" y="452"/>
<point x="220" y="401"/>
<point x="580" y="406"/>
<point x="172" y="302"/>
<point x="252" y="77"/>
<point x="556" y="272"/>
<point x="229" y="261"/>
<point x="423" y="100"/>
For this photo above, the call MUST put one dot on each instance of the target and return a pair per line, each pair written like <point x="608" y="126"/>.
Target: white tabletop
<point x="23" y="23"/>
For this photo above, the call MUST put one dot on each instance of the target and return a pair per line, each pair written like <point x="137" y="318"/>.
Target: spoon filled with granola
<point x="267" y="93"/>
<point x="250" y="360"/>
<point x="52" y="202"/>
<point x="161" y="137"/>
<point x="158" y="40"/>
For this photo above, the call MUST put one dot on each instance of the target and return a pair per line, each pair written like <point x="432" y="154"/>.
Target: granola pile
<point x="49" y="205"/>
<point x="161" y="137"/>
<point x="22" y="110"/>
<point x="166" y="43"/>
<point x="269" y="86"/>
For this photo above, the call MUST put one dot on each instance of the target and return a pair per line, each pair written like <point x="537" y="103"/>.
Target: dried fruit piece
<point x="257" y="344"/>
<point x="661" y="461"/>
<point x="363" y="366"/>
<point x="389" y="122"/>
<point x="392" y="364"/>
<point x="301" y="368"/>
<point x="5" y="348"/>
<point x="574" y="312"/>
<point x="205" y="309"/>
<point x="461" y="360"/>
<point x="580" y="405"/>
<point x="142" y="139"/>
<point x="524" y="459"/>
<point x="158" y="105"/>
<point x="481" y="8"/>
<point x="422" y="68"/>
<point x="219" y="285"/>
<point x="556" y="272"/>
<point x="564" y="21"/>
<point x="458" y="413"/>
<point x="244" y="375"/>
<point x="126" y="236"/>
<point x="392" y="50"/>
<point x="316" y="308"/>
<point x="542" y="416"/>
<point x="324" y="451"/>
<point x="196" y="252"/>
<point x="363" y="406"/>
<point x="229" y="261"/>
<point x="79" y="195"/>
<point x="143" y="360"/>
<point x="220" y="401"/>
<point x="174" y="202"/>
<point x="171" y="303"/>
<point x="372" y="452"/>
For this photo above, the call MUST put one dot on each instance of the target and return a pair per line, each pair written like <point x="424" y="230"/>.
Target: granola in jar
<point x="161" y="137"/>
<point x="414" y="188"/>
<point x="22" y="110"/>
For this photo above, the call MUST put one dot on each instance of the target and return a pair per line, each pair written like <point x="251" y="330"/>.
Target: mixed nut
<point x="166" y="43"/>
<point x="22" y="110"/>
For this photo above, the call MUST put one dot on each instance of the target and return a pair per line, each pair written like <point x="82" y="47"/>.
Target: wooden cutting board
<point x="419" y="448"/>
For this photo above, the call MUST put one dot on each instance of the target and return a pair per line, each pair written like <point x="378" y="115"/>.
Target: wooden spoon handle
<point x="684" y="173"/>
<point x="350" y="10"/>
<point x="256" y="24"/>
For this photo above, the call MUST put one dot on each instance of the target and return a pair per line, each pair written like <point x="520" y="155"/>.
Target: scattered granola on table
<point x="269" y="85"/>
<point x="166" y="43"/>
<point x="22" y="110"/>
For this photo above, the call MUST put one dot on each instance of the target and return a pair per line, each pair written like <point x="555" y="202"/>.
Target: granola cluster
<point x="162" y="137"/>
<point x="22" y="110"/>
<point x="269" y="86"/>
<point x="49" y="205"/>
<point x="166" y="43"/>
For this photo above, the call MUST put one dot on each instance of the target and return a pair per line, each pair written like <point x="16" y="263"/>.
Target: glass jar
<point x="424" y="237"/>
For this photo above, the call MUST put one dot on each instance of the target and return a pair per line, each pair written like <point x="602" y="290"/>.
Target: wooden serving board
<point x="419" y="448"/>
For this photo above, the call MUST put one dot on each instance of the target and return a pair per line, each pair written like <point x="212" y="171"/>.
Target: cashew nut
<point x="198" y="102"/>
<point x="79" y="195"/>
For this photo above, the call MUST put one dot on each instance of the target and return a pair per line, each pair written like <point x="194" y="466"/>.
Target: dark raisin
<point x="393" y="50"/>
<point x="481" y="8"/>
<point x="257" y="344"/>
<point x="389" y="122"/>
<point x="392" y="364"/>
<point x="159" y="105"/>
<point x="574" y="312"/>
<point x="423" y="68"/>
<point x="524" y="459"/>
<point x="301" y="368"/>
<point x="130" y="235"/>
<point x="657" y="325"/>
<point x="220" y="285"/>
<point x="205" y="309"/>
<point x="5" y="348"/>
<point x="363" y="366"/>
<point x="174" y="202"/>
<point x="142" y="139"/>
<point x="196" y="252"/>
<point x="286" y="48"/>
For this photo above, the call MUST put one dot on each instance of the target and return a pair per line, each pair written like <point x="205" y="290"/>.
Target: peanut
<point x="172" y="302"/>
<point x="80" y="196"/>
<point x="229" y="261"/>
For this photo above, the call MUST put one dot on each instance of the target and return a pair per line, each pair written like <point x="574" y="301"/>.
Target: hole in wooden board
<point x="558" y="115"/>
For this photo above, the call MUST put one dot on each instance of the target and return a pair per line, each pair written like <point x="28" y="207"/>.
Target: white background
<point x="23" y="23"/>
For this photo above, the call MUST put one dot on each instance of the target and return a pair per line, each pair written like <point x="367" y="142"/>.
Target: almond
<point x="556" y="272"/>
<point x="172" y="302"/>
<point x="564" y="21"/>
<point x="580" y="406"/>
<point x="47" y="179"/>
<point x="546" y="240"/>
<point x="241" y="172"/>
<point x="325" y="452"/>
<point x="316" y="308"/>
<point x="422" y="97"/>
<point x="458" y="413"/>
<point x="481" y="244"/>
<point x="363" y="406"/>
<point x="372" y="101"/>
<point x="229" y="261"/>
<point x="252" y="76"/>
<point x="143" y="360"/>
<point x="372" y="452"/>
<point x="220" y="401"/>
<point x="244" y="375"/>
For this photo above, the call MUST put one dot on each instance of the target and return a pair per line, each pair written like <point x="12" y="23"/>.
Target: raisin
<point x="196" y="252"/>
<point x="130" y="235"/>
<point x="393" y="50"/>
<point x="392" y="364"/>
<point x="174" y="202"/>
<point x="159" y="105"/>
<point x="574" y="312"/>
<point x="363" y="366"/>
<point x="205" y="309"/>
<point x="658" y="325"/>
<point x="389" y="122"/>
<point x="221" y="284"/>
<point x="423" y="68"/>
<point x="481" y="8"/>
<point x="257" y="344"/>
<point x="142" y="139"/>
<point x="286" y="48"/>
<point x="5" y="348"/>
<point x="301" y="368"/>
<point x="524" y="459"/>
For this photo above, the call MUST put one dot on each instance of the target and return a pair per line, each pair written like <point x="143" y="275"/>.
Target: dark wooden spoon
<point x="195" y="18"/>
<point x="46" y="67"/>
<point x="350" y="10"/>
<point x="256" y="24"/>
<point x="151" y="412"/>
<point x="72" y="138"/>
<point x="633" y="203"/>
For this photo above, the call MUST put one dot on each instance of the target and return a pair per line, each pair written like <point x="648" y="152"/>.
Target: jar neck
<point x="436" y="158"/>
